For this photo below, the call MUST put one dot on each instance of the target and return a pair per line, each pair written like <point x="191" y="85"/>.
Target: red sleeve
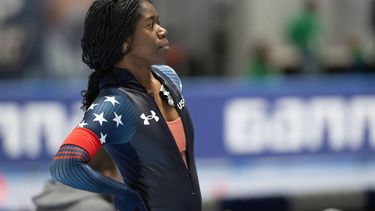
<point x="84" y="138"/>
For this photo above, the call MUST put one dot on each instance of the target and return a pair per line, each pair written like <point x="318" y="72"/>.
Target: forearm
<point x="69" y="167"/>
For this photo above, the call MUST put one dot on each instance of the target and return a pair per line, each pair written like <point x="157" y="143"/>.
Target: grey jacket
<point x="59" y="197"/>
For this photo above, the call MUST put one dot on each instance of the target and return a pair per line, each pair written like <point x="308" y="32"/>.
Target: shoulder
<point x="111" y="100"/>
<point x="111" y="97"/>
<point x="111" y="116"/>
<point x="170" y="73"/>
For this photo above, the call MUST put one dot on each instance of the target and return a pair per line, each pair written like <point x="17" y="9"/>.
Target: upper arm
<point x="111" y="117"/>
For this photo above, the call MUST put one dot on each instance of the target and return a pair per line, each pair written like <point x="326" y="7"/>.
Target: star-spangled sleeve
<point x="110" y="119"/>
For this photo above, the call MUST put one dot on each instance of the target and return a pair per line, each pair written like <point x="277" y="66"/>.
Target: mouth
<point x="164" y="45"/>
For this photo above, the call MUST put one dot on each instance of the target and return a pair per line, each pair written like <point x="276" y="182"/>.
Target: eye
<point x="150" y="25"/>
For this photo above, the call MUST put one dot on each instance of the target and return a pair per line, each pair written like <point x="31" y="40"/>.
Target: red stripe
<point x="85" y="139"/>
<point x="77" y="153"/>
<point x="67" y="157"/>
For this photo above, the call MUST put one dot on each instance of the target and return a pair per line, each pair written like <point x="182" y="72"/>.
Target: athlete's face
<point x="149" y="43"/>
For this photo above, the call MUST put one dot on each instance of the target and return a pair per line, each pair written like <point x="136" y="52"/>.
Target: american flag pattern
<point x="111" y="117"/>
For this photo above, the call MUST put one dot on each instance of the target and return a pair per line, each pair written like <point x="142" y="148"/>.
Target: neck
<point x="143" y="74"/>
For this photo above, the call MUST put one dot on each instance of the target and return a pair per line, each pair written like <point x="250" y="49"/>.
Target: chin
<point x="160" y="61"/>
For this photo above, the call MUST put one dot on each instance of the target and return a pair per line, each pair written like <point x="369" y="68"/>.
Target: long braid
<point x="108" y="24"/>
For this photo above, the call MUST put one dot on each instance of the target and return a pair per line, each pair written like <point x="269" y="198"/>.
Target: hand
<point x="129" y="201"/>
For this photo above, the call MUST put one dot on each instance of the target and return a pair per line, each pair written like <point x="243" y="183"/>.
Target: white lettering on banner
<point x="327" y="118"/>
<point x="244" y="125"/>
<point x="23" y="127"/>
<point x="362" y="116"/>
<point x="10" y="129"/>
<point x="293" y="124"/>
<point x="285" y="130"/>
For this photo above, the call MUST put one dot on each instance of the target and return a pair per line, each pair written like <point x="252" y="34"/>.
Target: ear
<point x="126" y="46"/>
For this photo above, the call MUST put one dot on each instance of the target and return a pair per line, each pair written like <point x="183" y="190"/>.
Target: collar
<point x="118" y="77"/>
<point x="122" y="77"/>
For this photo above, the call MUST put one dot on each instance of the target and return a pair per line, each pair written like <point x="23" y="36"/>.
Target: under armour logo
<point x="146" y="119"/>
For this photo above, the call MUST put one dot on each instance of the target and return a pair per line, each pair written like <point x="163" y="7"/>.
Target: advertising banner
<point x="252" y="138"/>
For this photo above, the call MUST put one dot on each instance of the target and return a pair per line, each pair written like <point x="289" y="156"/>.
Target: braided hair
<point x="108" y="24"/>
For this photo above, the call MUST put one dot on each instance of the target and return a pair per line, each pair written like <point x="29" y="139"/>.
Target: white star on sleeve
<point x="102" y="138"/>
<point x="82" y="124"/>
<point x="117" y="119"/>
<point x="92" y="106"/>
<point x="99" y="118"/>
<point x="111" y="99"/>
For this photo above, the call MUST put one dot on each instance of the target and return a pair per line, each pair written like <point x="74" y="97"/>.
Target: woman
<point x="134" y="109"/>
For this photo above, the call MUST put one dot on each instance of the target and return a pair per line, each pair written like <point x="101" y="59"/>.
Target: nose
<point x="162" y="33"/>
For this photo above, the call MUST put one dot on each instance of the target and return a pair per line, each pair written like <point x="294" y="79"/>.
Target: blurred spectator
<point x="59" y="197"/>
<point x="62" y="38"/>
<point x="305" y="32"/>
<point x="19" y="36"/>
<point x="372" y="25"/>
<point x="221" y="12"/>
<point x="357" y="54"/>
<point x="260" y="63"/>
<point x="220" y="49"/>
